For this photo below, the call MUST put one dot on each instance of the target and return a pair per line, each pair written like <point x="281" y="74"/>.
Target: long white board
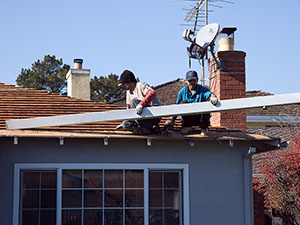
<point x="154" y="112"/>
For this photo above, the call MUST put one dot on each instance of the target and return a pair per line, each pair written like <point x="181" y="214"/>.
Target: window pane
<point x="171" y="180"/>
<point x="48" y="217"/>
<point x="113" y="217"/>
<point x="113" y="198"/>
<point x="48" y="180"/>
<point x="93" y="198"/>
<point x="30" y="199"/>
<point x="134" y="198"/>
<point x="71" y="179"/>
<point x="134" y="217"/>
<point x="92" y="217"/>
<point x="113" y="178"/>
<point x="155" y="198"/>
<point x="93" y="179"/>
<point x="134" y="179"/>
<point x="71" y="199"/>
<point x="155" y="179"/>
<point x="48" y="199"/>
<point x="165" y="201"/>
<point x="156" y="217"/>
<point x="71" y="217"/>
<point x="31" y="179"/>
<point x="171" y="217"/>
<point x="171" y="198"/>
<point x="30" y="217"/>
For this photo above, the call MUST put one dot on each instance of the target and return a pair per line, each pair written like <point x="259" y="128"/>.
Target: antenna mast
<point x="197" y="11"/>
<point x="206" y="22"/>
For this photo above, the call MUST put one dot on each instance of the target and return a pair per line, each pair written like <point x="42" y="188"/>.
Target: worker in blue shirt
<point x="191" y="93"/>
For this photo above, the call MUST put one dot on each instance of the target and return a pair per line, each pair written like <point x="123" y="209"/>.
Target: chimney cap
<point x="228" y="30"/>
<point x="78" y="60"/>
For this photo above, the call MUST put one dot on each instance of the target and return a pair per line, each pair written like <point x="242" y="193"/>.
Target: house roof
<point x="166" y="92"/>
<point x="285" y="110"/>
<point x="19" y="103"/>
<point x="282" y="132"/>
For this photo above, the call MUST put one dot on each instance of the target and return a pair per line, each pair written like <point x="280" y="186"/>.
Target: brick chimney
<point x="78" y="81"/>
<point x="229" y="83"/>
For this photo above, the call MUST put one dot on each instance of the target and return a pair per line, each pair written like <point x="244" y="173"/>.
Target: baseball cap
<point x="126" y="77"/>
<point x="191" y="75"/>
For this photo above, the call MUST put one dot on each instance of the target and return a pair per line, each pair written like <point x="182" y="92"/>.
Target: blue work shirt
<point x="201" y="94"/>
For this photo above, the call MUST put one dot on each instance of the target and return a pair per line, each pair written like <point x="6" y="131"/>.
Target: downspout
<point x="248" y="187"/>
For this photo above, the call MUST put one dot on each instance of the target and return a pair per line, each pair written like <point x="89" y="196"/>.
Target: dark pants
<point x="202" y="120"/>
<point x="147" y="123"/>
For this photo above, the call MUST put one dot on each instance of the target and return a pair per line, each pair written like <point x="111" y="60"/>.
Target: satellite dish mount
<point x="205" y="38"/>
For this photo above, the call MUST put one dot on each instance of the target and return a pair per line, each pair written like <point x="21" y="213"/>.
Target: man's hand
<point x="120" y="126"/>
<point x="139" y="109"/>
<point x="213" y="100"/>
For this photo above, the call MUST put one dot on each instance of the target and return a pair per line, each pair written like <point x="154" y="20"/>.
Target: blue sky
<point x="145" y="37"/>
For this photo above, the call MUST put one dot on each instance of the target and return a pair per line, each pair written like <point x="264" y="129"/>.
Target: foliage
<point x="281" y="180"/>
<point x="49" y="75"/>
<point x="105" y="89"/>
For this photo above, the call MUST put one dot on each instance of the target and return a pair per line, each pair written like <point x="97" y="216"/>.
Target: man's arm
<point x="149" y="96"/>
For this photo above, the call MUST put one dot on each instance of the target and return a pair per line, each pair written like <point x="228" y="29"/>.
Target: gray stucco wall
<point x="216" y="170"/>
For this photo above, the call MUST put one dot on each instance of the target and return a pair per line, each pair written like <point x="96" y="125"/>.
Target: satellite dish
<point x="207" y="35"/>
<point x="205" y="38"/>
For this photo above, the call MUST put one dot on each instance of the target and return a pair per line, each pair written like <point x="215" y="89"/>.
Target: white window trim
<point x="60" y="166"/>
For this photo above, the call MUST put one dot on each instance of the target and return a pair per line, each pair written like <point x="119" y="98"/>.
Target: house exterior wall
<point x="216" y="171"/>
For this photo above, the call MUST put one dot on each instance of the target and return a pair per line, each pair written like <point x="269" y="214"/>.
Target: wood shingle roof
<point x="19" y="103"/>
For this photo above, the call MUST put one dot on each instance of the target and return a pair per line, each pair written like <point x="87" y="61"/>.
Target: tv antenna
<point x="196" y="18"/>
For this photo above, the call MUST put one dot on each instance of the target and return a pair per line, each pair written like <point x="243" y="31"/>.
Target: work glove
<point x="169" y="125"/>
<point x="120" y="126"/>
<point x="139" y="109"/>
<point x="214" y="100"/>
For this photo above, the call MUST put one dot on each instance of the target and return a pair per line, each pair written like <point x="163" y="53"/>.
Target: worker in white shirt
<point x="138" y="95"/>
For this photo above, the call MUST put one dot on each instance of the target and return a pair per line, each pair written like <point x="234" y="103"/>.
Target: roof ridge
<point x="167" y="83"/>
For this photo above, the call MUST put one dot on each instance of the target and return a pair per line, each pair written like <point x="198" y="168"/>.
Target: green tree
<point x="49" y="75"/>
<point x="105" y="89"/>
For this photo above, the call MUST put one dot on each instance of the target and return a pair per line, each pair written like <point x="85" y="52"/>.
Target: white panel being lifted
<point x="153" y="112"/>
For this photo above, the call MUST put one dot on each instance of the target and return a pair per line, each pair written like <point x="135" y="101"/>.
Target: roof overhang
<point x="262" y="143"/>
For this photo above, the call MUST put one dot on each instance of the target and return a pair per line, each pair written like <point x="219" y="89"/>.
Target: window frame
<point x="61" y="166"/>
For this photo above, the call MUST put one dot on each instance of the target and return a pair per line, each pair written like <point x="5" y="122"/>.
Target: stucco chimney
<point x="229" y="83"/>
<point x="78" y="81"/>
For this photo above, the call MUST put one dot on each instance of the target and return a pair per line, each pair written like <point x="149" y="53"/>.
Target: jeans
<point x="131" y="124"/>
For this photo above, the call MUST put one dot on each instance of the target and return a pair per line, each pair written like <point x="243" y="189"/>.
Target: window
<point x="95" y="197"/>
<point x="38" y="197"/>
<point x="165" y="201"/>
<point x="101" y="195"/>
